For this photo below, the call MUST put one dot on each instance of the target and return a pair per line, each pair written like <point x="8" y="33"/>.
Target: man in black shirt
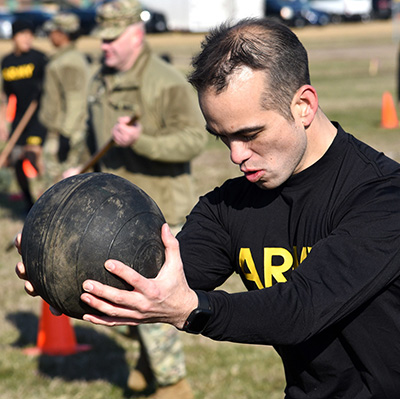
<point x="22" y="75"/>
<point x="312" y="228"/>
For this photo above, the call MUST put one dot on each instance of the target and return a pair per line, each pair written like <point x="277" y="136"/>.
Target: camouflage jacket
<point x="64" y="100"/>
<point x="173" y="130"/>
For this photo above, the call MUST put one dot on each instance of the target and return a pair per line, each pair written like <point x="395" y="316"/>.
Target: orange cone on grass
<point x="11" y="108"/>
<point x="389" y="115"/>
<point x="29" y="170"/>
<point x="55" y="336"/>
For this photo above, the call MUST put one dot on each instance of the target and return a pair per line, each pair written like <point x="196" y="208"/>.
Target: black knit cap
<point x="21" y="24"/>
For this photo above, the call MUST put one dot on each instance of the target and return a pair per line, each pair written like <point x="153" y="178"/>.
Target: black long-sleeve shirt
<point x="330" y="236"/>
<point x="23" y="75"/>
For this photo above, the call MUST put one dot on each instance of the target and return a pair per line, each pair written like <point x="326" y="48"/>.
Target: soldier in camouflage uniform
<point x="153" y="153"/>
<point x="64" y="101"/>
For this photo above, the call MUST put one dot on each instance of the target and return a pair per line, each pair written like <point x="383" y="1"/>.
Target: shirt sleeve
<point x="352" y="266"/>
<point x="182" y="136"/>
<point x="74" y="81"/>
<point x="67" y="85"/>
<point x="206" y="247"/>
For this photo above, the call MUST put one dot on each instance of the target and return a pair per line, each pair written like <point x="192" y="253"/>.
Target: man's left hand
<point x="125" y="134"/>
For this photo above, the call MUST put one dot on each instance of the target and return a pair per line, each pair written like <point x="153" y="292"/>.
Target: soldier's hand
<point x="166" y="298"/>
<point x="20" y="269"/>
<point x="124" y="133"/>
<point x="71" y="172"/>
<point x="21" y="273"/>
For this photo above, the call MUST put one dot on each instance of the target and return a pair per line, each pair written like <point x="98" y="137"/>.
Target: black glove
<point x="63" y="148"/>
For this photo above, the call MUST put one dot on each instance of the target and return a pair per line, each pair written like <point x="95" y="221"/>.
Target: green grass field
<point x="351" y="66"/>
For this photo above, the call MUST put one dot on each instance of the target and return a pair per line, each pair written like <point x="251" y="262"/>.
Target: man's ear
<point x="305" y="104"/>
<point x="139" y="32"/>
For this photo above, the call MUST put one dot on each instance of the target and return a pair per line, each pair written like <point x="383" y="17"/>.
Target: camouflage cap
<point x="115" y="16"/>
<point x="64" y="21"/>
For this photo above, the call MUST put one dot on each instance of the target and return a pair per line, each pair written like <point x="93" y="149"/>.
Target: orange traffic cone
<point x="55" y="336"/>
<point x="389" y="115"/>
<point x="11" y="108"/>
<point x="29" y="170"/>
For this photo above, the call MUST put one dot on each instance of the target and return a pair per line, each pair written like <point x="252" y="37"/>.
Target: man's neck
<point x="321" y="134"/>
<point x="130" y="62"/>
<point x="18" y="52"/>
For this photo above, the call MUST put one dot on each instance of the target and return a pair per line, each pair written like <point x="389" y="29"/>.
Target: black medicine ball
<point x="79" y="223"/>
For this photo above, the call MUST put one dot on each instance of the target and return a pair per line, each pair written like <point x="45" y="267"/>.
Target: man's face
<point x="23" y="41"/>
<point x="118" y="52"/>
<point x="56" y="37"/>
<point x="267" y="147"/>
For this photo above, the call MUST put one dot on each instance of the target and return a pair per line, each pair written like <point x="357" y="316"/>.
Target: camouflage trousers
<point x="164" y="351"/>
<point x="163" y="347"/>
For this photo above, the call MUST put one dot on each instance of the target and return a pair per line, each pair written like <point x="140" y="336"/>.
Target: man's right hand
<point x="71" y="172"/>
<point x="21" y="271"/>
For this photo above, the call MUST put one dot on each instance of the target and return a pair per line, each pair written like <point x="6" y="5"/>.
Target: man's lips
<point x="253" y="175"/>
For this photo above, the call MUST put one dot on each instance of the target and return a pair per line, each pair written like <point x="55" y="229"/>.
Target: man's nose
<point x="104" y="45"/>
<point x="239" y="152"/>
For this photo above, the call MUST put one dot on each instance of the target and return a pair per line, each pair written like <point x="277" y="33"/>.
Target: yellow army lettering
<point x="18" y="72"/>
<point x="249" y="270"/>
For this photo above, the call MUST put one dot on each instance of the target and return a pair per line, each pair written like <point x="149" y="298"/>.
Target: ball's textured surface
<point x="79" y="223"/>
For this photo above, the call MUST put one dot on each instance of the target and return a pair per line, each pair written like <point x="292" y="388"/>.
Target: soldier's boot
<point x="141" y="378"/>
<point x="179" y="390"/>
<point x="137" y="382"/>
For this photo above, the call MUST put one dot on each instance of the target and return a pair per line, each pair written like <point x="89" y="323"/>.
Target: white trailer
<point x="344" y="9"/>
<point x="202" y="15"/>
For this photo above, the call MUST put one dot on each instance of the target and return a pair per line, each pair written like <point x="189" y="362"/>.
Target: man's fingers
<point x="17" y="242"/>
<point x="111" y="294"/>
<point x="20" y="271"/>
<point x="29" y="289"/>
<point x="116" y="305"/>
<point x="115" y="295"/>
<point x="172" y="252"/>
<point x="131" y="276"/>
<point x="111" y="309"/>
<point x="124" y="120"/>
<point x="108" y="321"/>
<point x="171" y="244"/>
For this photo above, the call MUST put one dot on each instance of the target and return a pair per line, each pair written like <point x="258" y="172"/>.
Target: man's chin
<point x="267" y="184"/>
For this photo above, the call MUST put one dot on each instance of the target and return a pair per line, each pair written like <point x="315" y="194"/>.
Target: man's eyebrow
<point x="209" y="130"/>
<point x="240" y="132"/>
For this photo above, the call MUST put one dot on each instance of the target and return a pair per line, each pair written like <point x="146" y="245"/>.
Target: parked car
<point x="6" y="20"/>
<point x="154" y="21"/>
<point x="37" y="17"/>
<point x="342" y="10"/>
<point x="295" y="12"/>
<point x="382" y="9"/>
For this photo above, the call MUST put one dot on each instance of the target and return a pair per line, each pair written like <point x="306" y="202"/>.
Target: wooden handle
<point x="103" y="150"/>
<point x="17" y="132"/>
<point x="97" y="156"/>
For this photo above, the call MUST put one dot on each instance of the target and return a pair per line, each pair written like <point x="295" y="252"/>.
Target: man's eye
<point x="249" y="137"/>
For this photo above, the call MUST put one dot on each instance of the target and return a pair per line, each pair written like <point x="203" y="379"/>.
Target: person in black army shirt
<point x="312" y="228"/>
<point x="23" y="71"/>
